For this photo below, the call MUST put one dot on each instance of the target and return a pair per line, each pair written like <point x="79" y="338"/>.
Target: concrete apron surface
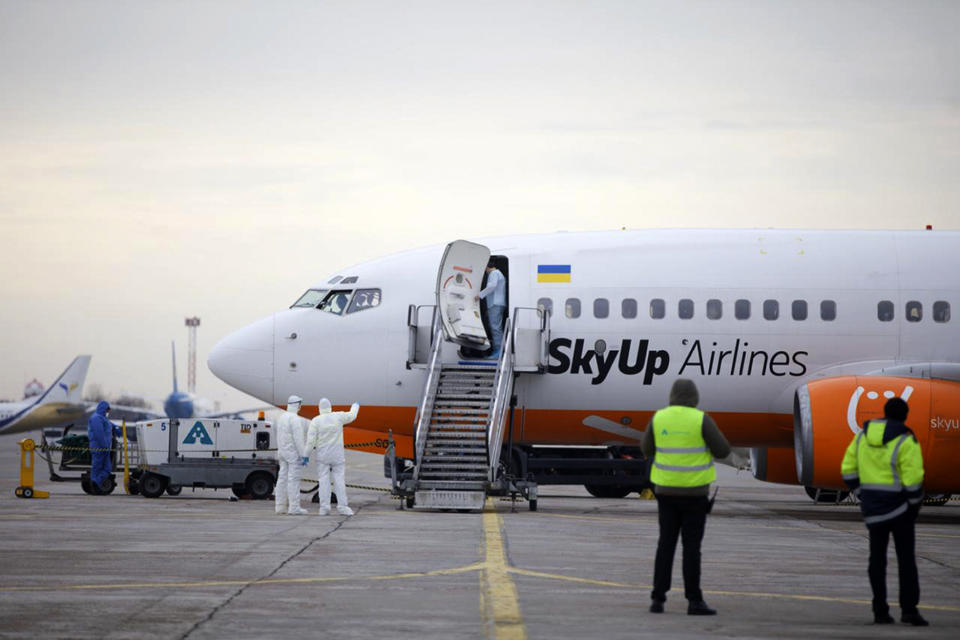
<point x="198" y="565"/>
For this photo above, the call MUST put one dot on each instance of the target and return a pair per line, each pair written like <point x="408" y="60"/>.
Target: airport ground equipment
<point x="26" y="489"/>
<point x="207" y="453"/>
<point x="464" y="431"/>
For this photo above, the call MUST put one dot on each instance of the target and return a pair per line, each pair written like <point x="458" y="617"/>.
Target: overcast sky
<point x="165" y="159"/>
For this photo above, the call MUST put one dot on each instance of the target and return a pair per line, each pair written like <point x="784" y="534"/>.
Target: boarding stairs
<point x="464" y="414"/>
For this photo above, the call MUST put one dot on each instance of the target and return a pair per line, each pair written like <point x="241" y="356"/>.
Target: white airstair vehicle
<point x="465" y="412"/>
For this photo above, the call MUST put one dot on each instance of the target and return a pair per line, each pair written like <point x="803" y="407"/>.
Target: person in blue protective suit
<point x="495" y="293"/>
<point x="100" y="432"/>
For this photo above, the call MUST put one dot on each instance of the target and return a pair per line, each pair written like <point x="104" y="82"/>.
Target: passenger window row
<point x="913" y="311"/>
<point x="742" y="309"/>
<point x="686" y="308"/>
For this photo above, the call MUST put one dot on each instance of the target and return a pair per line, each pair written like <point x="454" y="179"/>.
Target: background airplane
<point x="60" y="404"/>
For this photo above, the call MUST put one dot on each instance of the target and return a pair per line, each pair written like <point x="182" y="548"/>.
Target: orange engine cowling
<point x="774" y="464"/>
<point x="828" y="413"/>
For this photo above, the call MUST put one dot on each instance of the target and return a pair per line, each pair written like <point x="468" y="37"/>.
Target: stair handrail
<point x="543" y="315"/>
<point x="425" y="410"/>
<point x="413" y="325"/>
<point x="503" y="388"/>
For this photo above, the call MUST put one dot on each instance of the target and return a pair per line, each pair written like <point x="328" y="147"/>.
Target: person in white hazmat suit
<point x="326" y="434"/>
<point x="293" y="455"/>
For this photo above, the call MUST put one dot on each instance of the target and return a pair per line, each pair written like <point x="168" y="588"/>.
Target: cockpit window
<point x="349" y="280"/>
<point x="311" y="298"/>
<point x="364" y="299"/>
<point x="336" y="301"/>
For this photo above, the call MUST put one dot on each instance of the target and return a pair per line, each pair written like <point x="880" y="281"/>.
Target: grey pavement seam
<point x="280" y="566"/>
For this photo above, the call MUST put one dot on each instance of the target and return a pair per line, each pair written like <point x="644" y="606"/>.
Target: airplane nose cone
<point x="244" y="359"/>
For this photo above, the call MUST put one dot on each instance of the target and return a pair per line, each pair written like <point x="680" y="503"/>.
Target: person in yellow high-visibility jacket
<point x="884" y="466"/>
<point x="682" y="441"/>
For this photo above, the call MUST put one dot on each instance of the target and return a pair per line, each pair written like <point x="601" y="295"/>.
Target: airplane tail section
<point x="69" y="386"/>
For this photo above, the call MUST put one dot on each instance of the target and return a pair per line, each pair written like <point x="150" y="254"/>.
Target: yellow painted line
<point x="598" y="583"/>
<point x="16" y="517"/>
<point x="636" y="519"/>
<point x="808" y="598"/>
<point x="500" y="594"/>
<point x="477" y="566"/>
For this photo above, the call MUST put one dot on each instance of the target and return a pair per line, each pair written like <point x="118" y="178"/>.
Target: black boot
<point x="700" y="608"/>
<point x="915" y="619"/>
<point x="882" y="618"/>
<point x="656" y="606"/>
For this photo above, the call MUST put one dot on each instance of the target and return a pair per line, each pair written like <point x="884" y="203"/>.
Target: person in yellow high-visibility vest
<point x="682" y="441"/>
<point x="884" y="466"/>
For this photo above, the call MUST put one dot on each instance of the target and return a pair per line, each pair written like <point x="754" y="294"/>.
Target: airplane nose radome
<point x="244" y="359"/>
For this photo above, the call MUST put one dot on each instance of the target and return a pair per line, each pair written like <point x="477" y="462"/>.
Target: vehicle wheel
<point x="607" y="491"/>
<point x="260" y="485"/>
<point x="240" y="490"/>
<point x="410" y="502"/>
<point x="936" y="499"/>
<point x="174" y="489"/>
<point x="27" y="492"/>
<point x="533" y="505"/>
<point x="826" y="495"/>
<point x="111" y="485"/>
<point x="133" y="487"/>
<point x="152" y="485"/>
<point x="85" y="485"/>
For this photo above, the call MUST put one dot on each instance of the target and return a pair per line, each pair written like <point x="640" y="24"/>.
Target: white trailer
<point x="207" y="453"/>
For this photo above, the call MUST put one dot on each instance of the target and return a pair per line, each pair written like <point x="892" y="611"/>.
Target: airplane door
<point x="458" y="283"/>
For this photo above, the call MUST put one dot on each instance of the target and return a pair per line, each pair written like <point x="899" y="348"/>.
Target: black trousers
<point x="684" y="517"/>
<point x="903" y="542"/>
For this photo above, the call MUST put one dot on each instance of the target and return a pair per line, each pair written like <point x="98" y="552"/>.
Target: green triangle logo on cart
<point x="198" y="432"/>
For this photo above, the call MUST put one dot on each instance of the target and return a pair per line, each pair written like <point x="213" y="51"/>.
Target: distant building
<point x="33" y="389"/>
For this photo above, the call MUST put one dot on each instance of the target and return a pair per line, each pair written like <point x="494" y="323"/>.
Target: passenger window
<point x="685" y="308"/>
<point x="741" y="309"/>
<point x="884" y="311"/>
<point x="628" y="308"/>
<point x="601" y="308"/>
<point x="799" y="309"/>
<point x="914" y="311"/>
<point x="714" y="309"/>
<point x="771" y="309"/>
<point x="311" y="298"/>
<point x="572" y="308"/>
<point x="336" y="301"/>
<point x="658" y="309"/>
<point x="941" y="311"/>
<point x="828" y="310"/>
<point x="364" y="299"/>
<point x="545" y="304"/>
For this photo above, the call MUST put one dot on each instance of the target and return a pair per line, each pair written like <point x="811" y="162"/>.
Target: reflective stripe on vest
<point x="682" y="458"/>
<point x="877" y="465"/>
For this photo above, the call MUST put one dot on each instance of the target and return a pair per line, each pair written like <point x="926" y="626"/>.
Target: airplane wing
<point x="238" y="413"/>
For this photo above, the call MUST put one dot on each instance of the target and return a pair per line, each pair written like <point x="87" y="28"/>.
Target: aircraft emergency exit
<point x="794" y="339"/>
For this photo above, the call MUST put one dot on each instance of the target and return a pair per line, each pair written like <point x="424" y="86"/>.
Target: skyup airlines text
<point x="699" y="358"/>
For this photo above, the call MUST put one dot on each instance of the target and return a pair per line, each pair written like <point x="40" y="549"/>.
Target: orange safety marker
<point x="26" y="490"/>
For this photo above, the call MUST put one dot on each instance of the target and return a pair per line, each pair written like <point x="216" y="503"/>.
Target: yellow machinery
<point x="26" y="490"/>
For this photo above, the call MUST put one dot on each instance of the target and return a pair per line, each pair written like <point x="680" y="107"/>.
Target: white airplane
<point x="62" y="403"/>
<point x="794" y="338"/>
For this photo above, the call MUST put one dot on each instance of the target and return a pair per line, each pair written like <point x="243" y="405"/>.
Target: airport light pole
<point x="192" y="324"/>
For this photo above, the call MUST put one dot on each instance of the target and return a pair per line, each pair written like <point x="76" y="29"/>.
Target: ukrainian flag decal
<point x="553" y="273"/>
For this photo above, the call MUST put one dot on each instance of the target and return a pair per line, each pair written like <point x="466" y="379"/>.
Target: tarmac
<point x="199" y="565"/>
